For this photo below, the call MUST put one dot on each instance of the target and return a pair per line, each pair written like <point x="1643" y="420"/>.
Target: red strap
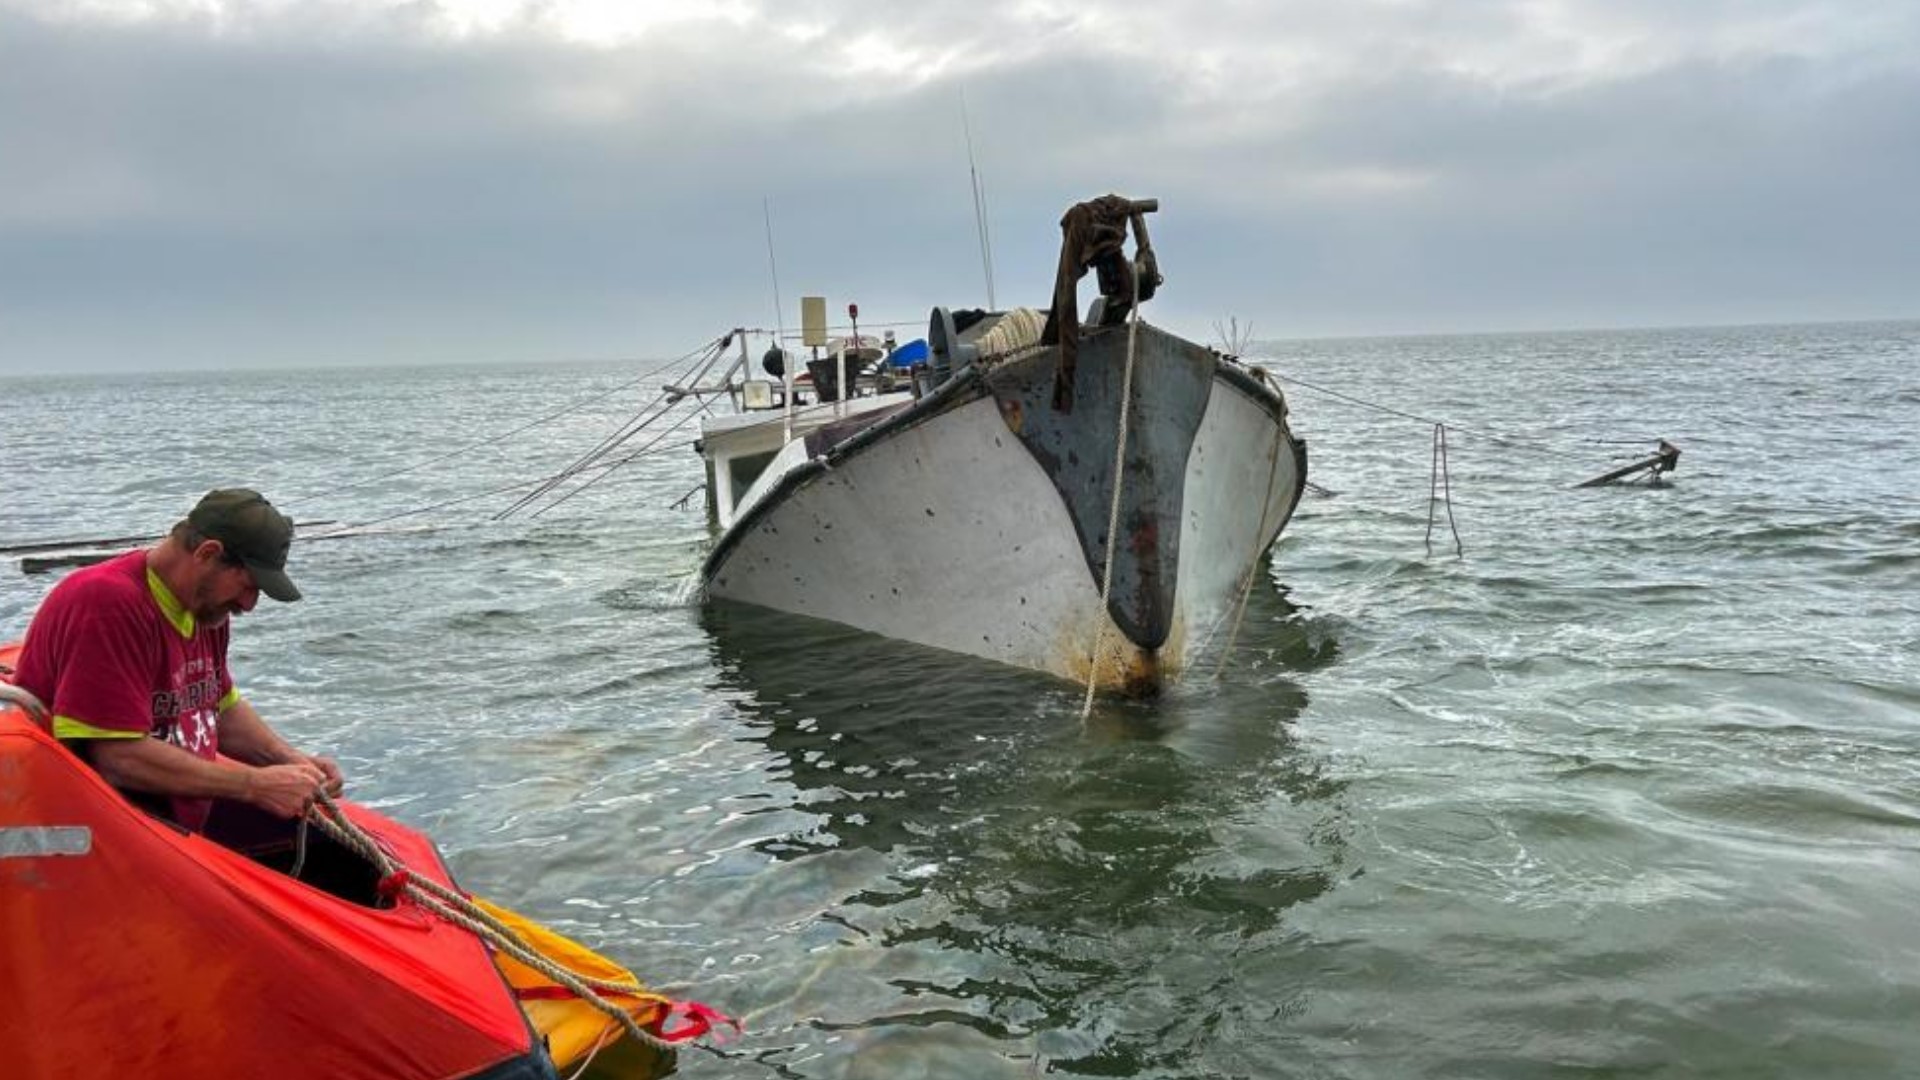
<point x="701" y="1019"/>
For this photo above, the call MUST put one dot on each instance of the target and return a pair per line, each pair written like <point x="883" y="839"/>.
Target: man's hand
<point x="284" y="790"/>
<point x="330" y="771"/>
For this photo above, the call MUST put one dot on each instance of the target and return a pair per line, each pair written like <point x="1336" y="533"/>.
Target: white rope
<point x="1246" y="581"/>
<point x="1016" y="330"/>
<point x="1101" y="618"/>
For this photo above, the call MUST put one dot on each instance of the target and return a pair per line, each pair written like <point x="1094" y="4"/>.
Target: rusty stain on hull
<point x="1124" y="668"/>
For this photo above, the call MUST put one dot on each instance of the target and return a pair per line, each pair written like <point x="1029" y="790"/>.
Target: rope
<point x="1246" y="580"/>
<point x="1016" y="330"/>
<point x="575" y="407"/>
<point x="675" y="426"/>
<point x="681" y="502"/>
<point x="627" y="430"/>
<point x="703" y="359"/>
<point x="599" y="1045"/>
<point x="299" y="849"/>
<point x="1512" y="440"/>
<point x="1441" y="480"/>
<point x="1101" y="618"/>
<point x="480" y="495"/>
<point x="458" y="910"/>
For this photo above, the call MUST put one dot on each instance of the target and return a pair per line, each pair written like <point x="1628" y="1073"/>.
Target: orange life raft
<point x="130" y="948"/>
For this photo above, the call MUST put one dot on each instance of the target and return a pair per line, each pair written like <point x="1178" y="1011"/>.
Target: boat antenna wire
<point x="773" y="269"/>
<point x="979" y="205"/>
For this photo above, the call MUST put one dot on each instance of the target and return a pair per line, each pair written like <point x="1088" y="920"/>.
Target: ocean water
<point x="1627" y="784"/>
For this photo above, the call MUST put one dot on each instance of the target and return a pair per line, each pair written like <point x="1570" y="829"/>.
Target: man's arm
<point x="244" y="736"/>
<point x="159" y="768"/>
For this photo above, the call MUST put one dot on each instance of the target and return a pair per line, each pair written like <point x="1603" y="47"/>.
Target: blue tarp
<point x="913" y="352"/>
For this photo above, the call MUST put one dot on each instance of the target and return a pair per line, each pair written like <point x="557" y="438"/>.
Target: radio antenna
<point x="979" y="206"/>
<point x="773" y="269"/>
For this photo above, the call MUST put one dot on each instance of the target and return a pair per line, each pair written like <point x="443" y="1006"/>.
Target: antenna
<point x="773" y="268"/>
<point x="979" y="205"/>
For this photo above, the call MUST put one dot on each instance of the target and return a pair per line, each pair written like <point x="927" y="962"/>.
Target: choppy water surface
<point x="1632" y="788"/>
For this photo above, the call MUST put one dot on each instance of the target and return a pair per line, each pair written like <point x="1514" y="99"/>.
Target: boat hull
<point x="977" y="521"/>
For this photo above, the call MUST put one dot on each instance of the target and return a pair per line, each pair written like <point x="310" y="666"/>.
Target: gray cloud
<point x="345" y="183"/>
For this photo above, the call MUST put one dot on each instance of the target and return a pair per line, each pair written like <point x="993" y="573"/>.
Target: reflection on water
<point x="1101" y="898"/>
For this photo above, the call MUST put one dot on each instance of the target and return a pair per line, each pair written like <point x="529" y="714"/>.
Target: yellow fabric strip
<point x="172" y="608"/>
<point x="66" y="727"/>
<point x="228" y="702"/>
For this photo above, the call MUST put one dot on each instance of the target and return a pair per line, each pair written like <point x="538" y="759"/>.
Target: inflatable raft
<point x="134" y="949"/>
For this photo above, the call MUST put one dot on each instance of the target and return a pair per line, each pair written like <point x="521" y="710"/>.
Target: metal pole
<point x="786" y="397"/>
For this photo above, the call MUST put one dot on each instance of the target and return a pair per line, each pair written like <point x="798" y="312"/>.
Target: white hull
<point x="943" y="527"/>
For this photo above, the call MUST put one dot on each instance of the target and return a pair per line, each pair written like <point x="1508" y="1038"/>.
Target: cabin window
<point x="745" y="469"/>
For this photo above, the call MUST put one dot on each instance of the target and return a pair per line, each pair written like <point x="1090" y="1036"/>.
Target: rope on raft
<point x="449" y="905"/>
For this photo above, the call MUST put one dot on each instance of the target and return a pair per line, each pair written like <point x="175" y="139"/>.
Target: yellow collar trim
<point x="170" y="606"/>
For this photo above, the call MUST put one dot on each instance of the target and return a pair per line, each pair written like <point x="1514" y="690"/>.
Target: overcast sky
<point x="210" y="183"/>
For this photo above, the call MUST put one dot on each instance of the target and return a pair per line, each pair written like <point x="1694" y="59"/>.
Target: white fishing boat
<point x="966" y="503"/>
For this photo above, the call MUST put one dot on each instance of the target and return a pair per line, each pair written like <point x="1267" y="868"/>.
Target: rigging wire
<point x="575" y="407"/>
<point x="502" y="490"/>
<point x="595" y="460"/>
<point x="1512" y="440"/>
<point x="661" y="405"/>
<point x="618" y="464"/>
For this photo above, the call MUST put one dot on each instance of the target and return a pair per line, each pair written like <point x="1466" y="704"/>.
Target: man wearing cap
<point x="130" y="656"/>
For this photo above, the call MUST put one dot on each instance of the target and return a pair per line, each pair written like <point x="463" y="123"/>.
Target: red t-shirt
<point x="105" y="656"/>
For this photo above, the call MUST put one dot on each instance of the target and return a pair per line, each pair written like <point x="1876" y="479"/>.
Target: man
<point x="130" y="657"/>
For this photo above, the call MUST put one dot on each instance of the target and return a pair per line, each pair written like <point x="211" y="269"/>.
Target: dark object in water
<point x="1664" y="460"/>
